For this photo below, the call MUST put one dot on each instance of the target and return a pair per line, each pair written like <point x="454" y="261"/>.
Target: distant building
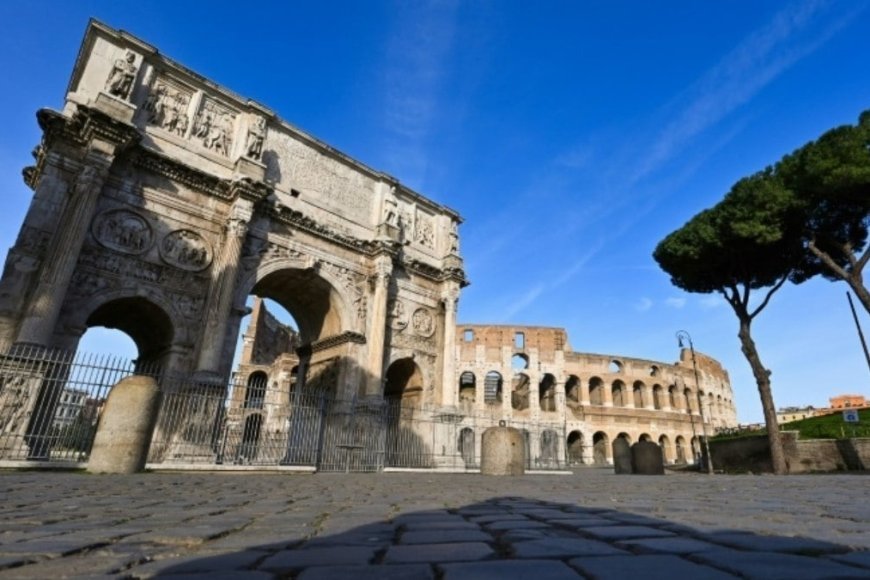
<point x="789" y="414"/>
<point x="848" y="402"/>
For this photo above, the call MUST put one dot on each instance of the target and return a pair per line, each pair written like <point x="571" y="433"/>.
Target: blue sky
<point x="571" y="136"/>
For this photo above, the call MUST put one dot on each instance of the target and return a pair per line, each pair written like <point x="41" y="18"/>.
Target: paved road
<point x="591" y="524"/>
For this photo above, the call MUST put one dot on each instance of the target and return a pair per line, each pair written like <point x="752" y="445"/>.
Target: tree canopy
<point x="830" y="178"/>
<point x="749" y="241"/>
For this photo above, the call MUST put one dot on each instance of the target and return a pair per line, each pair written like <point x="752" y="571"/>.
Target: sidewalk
<point x="591" y="524"/>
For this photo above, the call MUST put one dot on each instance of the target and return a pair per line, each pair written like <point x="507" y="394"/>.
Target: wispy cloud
<point x="754" y="63"/>
<point x="523" y="301"/>
<point x="675" y="302"/>
<point x="416" y="66"/>
<point x="643" y="304"/>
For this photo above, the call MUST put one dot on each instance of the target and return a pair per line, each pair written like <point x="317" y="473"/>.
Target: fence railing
<point x="51" y="400"/>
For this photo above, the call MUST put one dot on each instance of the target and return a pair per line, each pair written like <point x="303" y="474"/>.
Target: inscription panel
<point x="292" y="164"/>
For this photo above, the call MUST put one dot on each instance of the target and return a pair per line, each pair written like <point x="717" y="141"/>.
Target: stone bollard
<point x="125" y="428"/>
<point x="621" y="456"/>
<point x="502" y="452"/>
<point x="647" y="459"/>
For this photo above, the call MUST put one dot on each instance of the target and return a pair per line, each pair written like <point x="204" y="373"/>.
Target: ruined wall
<point x="594" y="396"/>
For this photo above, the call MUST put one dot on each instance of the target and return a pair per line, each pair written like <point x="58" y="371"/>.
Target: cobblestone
<point x="402" y="525"/>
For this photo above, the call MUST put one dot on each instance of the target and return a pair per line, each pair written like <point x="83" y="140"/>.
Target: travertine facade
<point x="162" y="201"/>
<point x="531" y="373"/>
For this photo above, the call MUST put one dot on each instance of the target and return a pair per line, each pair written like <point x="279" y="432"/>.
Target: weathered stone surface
<point x="124" y="431"/>
<point x="502" y="452"/>
<point x="647" y="459"/>
<point x="621" y="456"/>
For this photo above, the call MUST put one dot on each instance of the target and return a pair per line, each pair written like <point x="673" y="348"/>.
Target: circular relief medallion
<point x="123" y="231"/>
<point x="423" y="322"/>
<point x="186" y="249"/>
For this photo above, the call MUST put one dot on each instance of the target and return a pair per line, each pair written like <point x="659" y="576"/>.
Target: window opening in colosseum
<point x="672" y="397"/>
<point x="547" y="393"/>
<point x="572" y="390"/>
<point x="466" y="447"/>
<point x="615" y="366"/>
<point x="404" y="384"/>
<point x="600" y="446"/>
<point x="492" y="388"/>
<point x="596" y="391"/>
<point x="255" y="390"/>
<point x="519" y="340"/>
<point x="654" y="371"/>
<point x="618" y="394"/>
<point x="247" y="452"/>
<point x="667" y="452"/>
<point x="645" y="437"/>
<point x="637" y="391"/>
<point x="467" y="388"/>
<point x="468" y="335"/>
<point x="681" y="449"/>
<point x="575" y="447"/>
<point x="549" y="449"/>
<point x="521" y="387"/>
<point x="519" y="362"/>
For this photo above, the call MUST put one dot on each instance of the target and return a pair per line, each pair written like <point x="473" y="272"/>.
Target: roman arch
<point x="162" y="201"/>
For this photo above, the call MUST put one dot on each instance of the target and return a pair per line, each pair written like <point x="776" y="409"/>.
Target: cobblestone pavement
<point x="422" y="525"/>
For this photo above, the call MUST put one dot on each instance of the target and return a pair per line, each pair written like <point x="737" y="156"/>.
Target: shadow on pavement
<point x="515" y="537"/>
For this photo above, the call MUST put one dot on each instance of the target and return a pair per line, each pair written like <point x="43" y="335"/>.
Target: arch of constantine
<point x="163" y="201"/>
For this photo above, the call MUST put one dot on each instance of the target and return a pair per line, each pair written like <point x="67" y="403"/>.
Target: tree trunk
<point x="857" y="286"/>
<point x="762" y="378"/>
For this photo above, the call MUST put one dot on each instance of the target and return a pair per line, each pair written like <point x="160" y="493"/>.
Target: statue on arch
<point x="121" y="77"/>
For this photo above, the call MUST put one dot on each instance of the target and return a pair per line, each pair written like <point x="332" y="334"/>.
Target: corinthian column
<point x="449" y="387"/>
<point x="38" y="324"/>
<point x="225" y="271"/>
<point x="378" y="324"/>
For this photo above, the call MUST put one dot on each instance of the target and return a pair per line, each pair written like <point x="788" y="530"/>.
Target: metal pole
<point x="680" y="335"/>
<point x="858" y="326"/>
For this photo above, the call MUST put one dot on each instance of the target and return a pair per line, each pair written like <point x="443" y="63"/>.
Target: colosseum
<point x="527" y="376"/>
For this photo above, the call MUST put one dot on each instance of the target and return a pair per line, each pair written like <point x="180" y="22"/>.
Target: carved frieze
<point x="187" y="250"/>
<point x="123" y="231"/>
<point x="214" y="126"/>
<point x="135" y="268"/>
<point x="354" y="284"/>
<point x="423" y="322"/>
<point x="168" y="106"/>
<point x="424" y="233"/>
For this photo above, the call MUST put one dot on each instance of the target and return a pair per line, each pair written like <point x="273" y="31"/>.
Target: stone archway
<point x="404" y="383"/>
<point x="600" y="448"/>
<point x="575" y="447"/>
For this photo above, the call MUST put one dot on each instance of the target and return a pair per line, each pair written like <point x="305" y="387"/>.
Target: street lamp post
<point x="684" y="337"/>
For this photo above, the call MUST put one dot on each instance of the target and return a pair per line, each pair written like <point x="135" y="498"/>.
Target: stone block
<point x="454" y="552"/>
<point x="646" y="567"/>
<point x="124" y="432"/>
<point x="502" y="452"/>
<point x="621" y="456"/>
<point x="647" y="459"/>
<point x="114" y="107"/>
<point x="775" y="565"/>
<point x="537" y="569"/>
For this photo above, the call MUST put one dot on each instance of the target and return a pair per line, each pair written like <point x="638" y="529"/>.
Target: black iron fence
<point x="51" y="401"/>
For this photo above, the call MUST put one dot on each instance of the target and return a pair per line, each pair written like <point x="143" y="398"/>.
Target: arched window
<point x="255" y="393"/>
<point x="467" y="387"/>
<point x="492" y="388"/>
<point x="618" y="392"/>
<point x="547" y="393"/>
<point x="596" y="391"/>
